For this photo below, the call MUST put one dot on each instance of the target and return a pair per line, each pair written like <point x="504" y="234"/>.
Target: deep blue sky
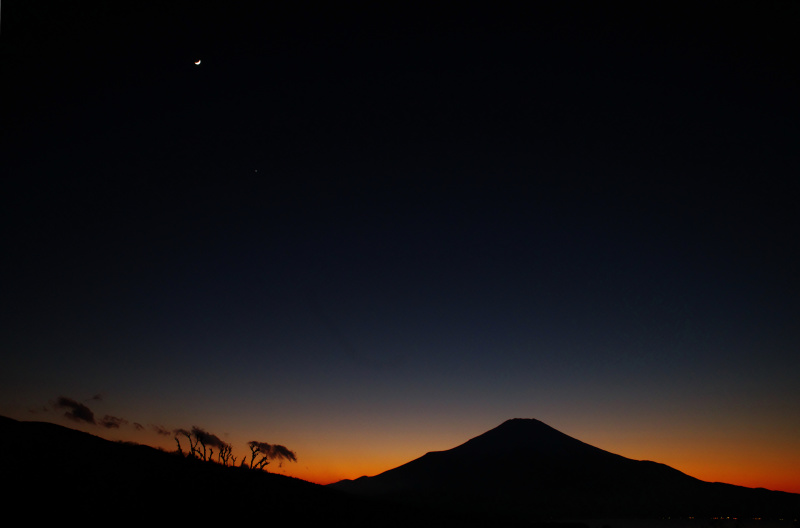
<point x="376" y="233"/>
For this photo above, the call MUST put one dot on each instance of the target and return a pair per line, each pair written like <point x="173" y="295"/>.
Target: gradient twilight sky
<point x="369" y="234"/>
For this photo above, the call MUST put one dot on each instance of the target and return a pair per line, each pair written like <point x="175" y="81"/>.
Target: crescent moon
<point x="198" y="62"/>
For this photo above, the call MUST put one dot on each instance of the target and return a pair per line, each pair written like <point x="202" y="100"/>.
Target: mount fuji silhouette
<point x="528" y="469"/>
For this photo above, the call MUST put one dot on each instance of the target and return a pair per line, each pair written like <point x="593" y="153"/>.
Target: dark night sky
<point x="368" y="233"/>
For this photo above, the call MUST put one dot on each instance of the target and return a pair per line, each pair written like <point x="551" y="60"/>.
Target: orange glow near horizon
<point x="745" y="463"/>
<point x="750" y="462"/>
<point x="323" y="466"/>
<point x="772" y="478"/>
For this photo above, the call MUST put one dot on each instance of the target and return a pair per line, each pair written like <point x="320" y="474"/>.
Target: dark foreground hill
<point x="52" y="473"/>
<point x="526" y="468"/>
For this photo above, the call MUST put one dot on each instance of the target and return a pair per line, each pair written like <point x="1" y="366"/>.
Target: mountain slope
<point x="530" y="469"/>
<point x="61" y="473"/>
<point x="53" y="473"/>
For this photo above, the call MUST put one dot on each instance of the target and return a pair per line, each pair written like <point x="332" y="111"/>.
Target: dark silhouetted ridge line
<point x="56" y="473"/>
<point x="527" y="469"/>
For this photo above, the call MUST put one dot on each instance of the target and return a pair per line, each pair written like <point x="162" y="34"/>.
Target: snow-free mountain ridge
<point x="530" y="469"/>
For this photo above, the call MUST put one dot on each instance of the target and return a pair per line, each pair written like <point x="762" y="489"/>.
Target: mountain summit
<point x="527" y="468"/>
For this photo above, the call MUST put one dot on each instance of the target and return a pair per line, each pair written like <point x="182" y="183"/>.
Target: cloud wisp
<point x="75" y="410"/>
<point x="112" y="422"/>
<point x="160" y="430"/>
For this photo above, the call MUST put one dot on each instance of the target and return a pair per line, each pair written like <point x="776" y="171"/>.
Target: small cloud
<point x="163" y="431"/>
<point x="96" y="397"/>
<point x="112" y="422"/>
<point x="75" y="410"/>
<point x="138" y="426"/>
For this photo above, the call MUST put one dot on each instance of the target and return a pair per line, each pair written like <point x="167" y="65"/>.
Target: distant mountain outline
<point x="526" y="468"/>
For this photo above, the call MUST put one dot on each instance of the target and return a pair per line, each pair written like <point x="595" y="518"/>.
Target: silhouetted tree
<point x="200" y="439"/>
<point x="262" y="453"/>
<point x="202" y="444"/>
<point x="225" y="455"/>
<point x="192" y="442"/>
